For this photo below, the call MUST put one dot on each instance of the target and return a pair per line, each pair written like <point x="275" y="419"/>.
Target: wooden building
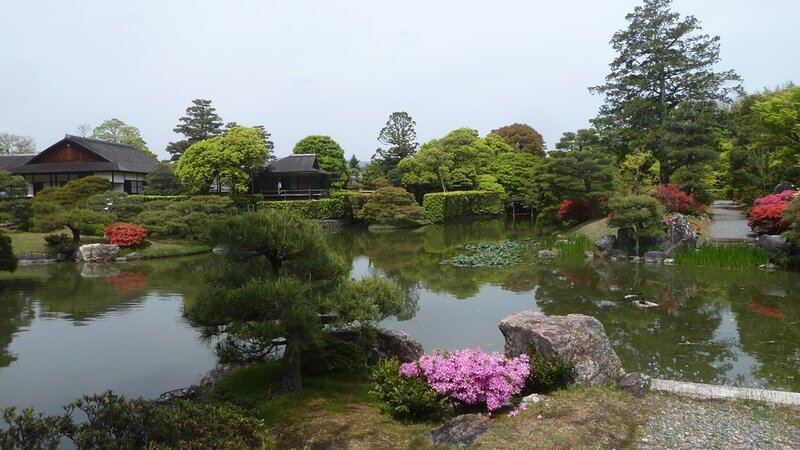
<point x="75" y="157"/>
<point x="292" y="178"/>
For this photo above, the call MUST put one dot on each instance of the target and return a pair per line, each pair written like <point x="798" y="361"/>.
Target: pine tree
<point x="662" y="62"/>
<point x="201" y="122"/>
<point x="400" y="136"/>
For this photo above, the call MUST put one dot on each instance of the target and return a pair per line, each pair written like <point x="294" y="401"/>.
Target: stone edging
<point x="716" y="392"/>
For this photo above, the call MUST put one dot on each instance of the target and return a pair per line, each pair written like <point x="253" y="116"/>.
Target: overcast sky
<point x="340" y="68"/>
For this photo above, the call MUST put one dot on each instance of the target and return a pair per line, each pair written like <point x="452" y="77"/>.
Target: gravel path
<point x="683" y="423"/>
<point x="729" y="224"/>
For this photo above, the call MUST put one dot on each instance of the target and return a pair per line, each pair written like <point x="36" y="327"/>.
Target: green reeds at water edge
<point x="726" y="256"/>
<point x="573" y="246"/>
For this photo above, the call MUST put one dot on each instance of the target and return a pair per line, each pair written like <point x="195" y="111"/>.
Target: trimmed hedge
<point x="152" y="198"/>
<point x="322" y="209"/>
<point x="441" y="206"/>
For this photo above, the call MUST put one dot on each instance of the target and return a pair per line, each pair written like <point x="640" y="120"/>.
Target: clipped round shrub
<point x="768" y="219"/>
<point x="392" y="206"/>
<point x="471" y="376"/>
<point x="125" y="234"/>
<point x="60" y="244"/>
<point x="406" y="398"/>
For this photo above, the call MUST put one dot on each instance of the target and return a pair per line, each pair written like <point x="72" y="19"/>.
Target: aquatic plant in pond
<point x="492" y="254"/>
<point x="724" y="256"/>
<point x="573" y="246"/>
<point x="471" y="376"/>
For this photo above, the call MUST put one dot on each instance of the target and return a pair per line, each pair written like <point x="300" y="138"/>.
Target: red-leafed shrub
<point x="125" y="234"/>
<point x="767" y="212"/>
<point x="784" y="197"/>
<point x="766" y="219"/>
<point x="574" y="210"/>
<point x="675" y="200"/>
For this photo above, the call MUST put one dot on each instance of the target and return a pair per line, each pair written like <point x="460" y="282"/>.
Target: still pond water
<point x="66" y="330"/>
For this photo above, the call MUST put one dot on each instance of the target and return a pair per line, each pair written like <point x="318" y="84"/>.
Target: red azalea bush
<point x="125" y="234"/>
<point x="675" y="200"/>
<point x="766" y="215"/>
<point x="572" y="210"/>
<point x="767" y="219"/>
<point x="784" y="197"/>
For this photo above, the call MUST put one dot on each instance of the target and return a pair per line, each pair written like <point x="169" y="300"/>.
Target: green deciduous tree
<point x="11" y="144"/>
<point x="230" y="159"/>
<point x="522" y="137"/>
<point x="450" y="163"/>
<point x="115" y="130"/>
<point x="662" y="62"/>
<point x="513" y="170"/>
<point x="330" y="157"/>
<point x="641" y="214"/>
<point x="400" y="137"/>
<point x="201" y="122"/>
<point x="58" y="207"/>
<point x="279" y="278"/>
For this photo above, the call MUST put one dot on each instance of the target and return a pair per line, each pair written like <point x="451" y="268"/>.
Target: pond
<point x="68" y="329"/>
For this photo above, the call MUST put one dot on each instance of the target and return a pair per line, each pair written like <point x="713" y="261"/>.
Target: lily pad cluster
<point x="505" y="253"/>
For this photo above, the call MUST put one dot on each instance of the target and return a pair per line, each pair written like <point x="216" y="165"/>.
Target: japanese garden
<point x="483" y="290"/>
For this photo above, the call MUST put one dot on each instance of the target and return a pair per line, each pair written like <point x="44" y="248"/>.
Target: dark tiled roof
<point x="70" y="167"/>
<point x="296" y="164"/>
<point x="9" y="162"/>
<point x="118" y="157"/>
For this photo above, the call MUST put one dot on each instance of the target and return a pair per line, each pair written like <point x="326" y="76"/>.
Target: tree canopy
<point x="230" y="159"/>
<point x="11" y="144"/>
<point x="279" y="278"/>
<point x="400" y="137"/>
<point x="330" y="157"/>
<point x="58" y="207"/>
<point x="161" y="180"/>
<point x="115" y="130"/>
<point x="662" y="62"/>
<point x="522" y="137"/>
<point x="201" y="122"/>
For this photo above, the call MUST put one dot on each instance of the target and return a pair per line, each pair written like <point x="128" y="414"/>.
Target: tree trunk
<point x="636" y="240"/>
<point x="292" y="381"/>
<point x="76" y="234"/>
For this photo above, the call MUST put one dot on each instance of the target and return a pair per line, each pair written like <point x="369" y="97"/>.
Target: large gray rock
<point x="397" y="344"/>
<point x="98" y="252"/>
<point x="604" y="245"/>
<point x="778" y="247"/>
<point x="654" y="257"/>
<point x="680" y="233"/>
<point x="577" y="338"/>
<point x="460" y="431"/>
<point x="783" y="186"/>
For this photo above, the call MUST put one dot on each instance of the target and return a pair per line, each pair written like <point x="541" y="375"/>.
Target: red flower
<point x="125" y="234"/>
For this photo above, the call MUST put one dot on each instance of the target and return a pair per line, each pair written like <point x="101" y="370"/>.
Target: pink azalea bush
<point x="773" y="199"/>
<point x="471" y="376"/>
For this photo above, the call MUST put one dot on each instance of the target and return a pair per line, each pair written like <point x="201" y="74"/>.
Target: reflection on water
<point x="719" y="326"/>
<point x="71" y="329"/>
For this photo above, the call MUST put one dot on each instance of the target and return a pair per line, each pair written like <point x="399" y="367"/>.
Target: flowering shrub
<point x="766" y="215"/>
<point x="471" y="376"/>
<point x="767" y="219"/>
<point x="675" y="200"/>
<point x="125" y="234"/>
<point x="784" y="197"/>
<point x="574" y="210"/>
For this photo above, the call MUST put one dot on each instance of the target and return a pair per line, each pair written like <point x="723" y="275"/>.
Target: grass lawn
<point x="338" y="412"/>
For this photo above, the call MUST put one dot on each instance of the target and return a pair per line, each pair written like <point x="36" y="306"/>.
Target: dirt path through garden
<point x="728" y="223"/>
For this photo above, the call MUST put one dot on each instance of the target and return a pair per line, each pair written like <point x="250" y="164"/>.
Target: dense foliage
<point x="766" y="217"/>
<point x="391" y="206"/>
<point x="675" y="200"/>
<point x="184" y="219"/>
<point x="115" y="130"/>
<point x="522" y="137"/>
<point x="8" y="262"/>
<point x="58" y="207"/>
<point x="330" y="157"/>
<point x="279" y="278"/>
<point x="442" y="206"/>
<point x="407" y="398"/>
<point x="201" y="122"/>
<point x="574" y="210"/>
<point x="161" y="180"/>
<point x="110" y="421"/>
<point x="640" y="214"/>
<point x="322" y="209"/>
<point x="549" y="374"/>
